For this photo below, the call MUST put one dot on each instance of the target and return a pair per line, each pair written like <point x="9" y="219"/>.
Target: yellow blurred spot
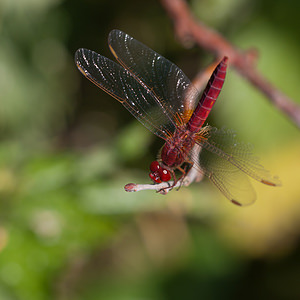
<point x="7" y="180"/>
<point x="3" y="238"/>
<point x="271" y="225"/>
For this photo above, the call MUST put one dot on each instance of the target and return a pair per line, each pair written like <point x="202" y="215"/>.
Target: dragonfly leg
<point x="170" y="185"/>
<point x="184" y="171"/>
<point x="166" y="189"/>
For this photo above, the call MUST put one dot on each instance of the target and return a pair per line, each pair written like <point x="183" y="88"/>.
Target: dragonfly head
<point x="159" y="174"/>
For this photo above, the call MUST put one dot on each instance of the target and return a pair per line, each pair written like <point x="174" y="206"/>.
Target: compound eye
<point x="158" y="174"/>
<point x="154" y="167"/>
<point x="165" y="175"/>
<point x="155" y="177"/>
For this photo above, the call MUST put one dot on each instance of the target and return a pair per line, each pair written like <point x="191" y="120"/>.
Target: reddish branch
<point x="188" y="29"/>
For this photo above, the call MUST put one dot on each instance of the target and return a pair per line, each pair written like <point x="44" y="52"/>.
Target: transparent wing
<point x="140" y="100"/>
<point x="170" y="85"/>
<point x="227" y="163"/>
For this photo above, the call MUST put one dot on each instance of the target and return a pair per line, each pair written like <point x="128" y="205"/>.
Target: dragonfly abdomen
<point x="208" y="97"/>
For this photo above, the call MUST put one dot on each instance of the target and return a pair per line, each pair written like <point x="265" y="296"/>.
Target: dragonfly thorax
<point x="172" y="155"/>
<point x="175" y="151"/>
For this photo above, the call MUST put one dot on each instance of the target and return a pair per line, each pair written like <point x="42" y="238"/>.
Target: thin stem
<point x="190" y="30"/>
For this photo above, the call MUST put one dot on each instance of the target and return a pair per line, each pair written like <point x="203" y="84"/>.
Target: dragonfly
<point x="160" y="96"/>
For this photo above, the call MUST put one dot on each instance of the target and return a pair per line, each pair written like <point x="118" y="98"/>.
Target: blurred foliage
<point x="67" y="228"/>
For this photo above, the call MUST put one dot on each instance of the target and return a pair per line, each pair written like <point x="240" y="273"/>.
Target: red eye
<point x="155" y="172"/>
<point x="165" y="175"/>
<point x="154" y="167"/>
<point x="155" y="177"/>
<point x="158" y="174"/>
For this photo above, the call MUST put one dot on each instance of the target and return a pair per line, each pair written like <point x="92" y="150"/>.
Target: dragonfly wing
<point x="123" y="86"/>
<point x="227" y="162"/>
<point x="174" y="90"/>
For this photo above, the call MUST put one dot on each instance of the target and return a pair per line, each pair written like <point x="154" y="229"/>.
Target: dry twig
<point x="188" y="29"/>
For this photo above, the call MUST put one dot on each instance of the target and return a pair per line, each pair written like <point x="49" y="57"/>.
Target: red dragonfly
<point x="163" y="99"/>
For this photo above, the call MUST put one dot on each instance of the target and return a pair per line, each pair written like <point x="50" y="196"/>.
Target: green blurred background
<point x="68" y="230"/>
